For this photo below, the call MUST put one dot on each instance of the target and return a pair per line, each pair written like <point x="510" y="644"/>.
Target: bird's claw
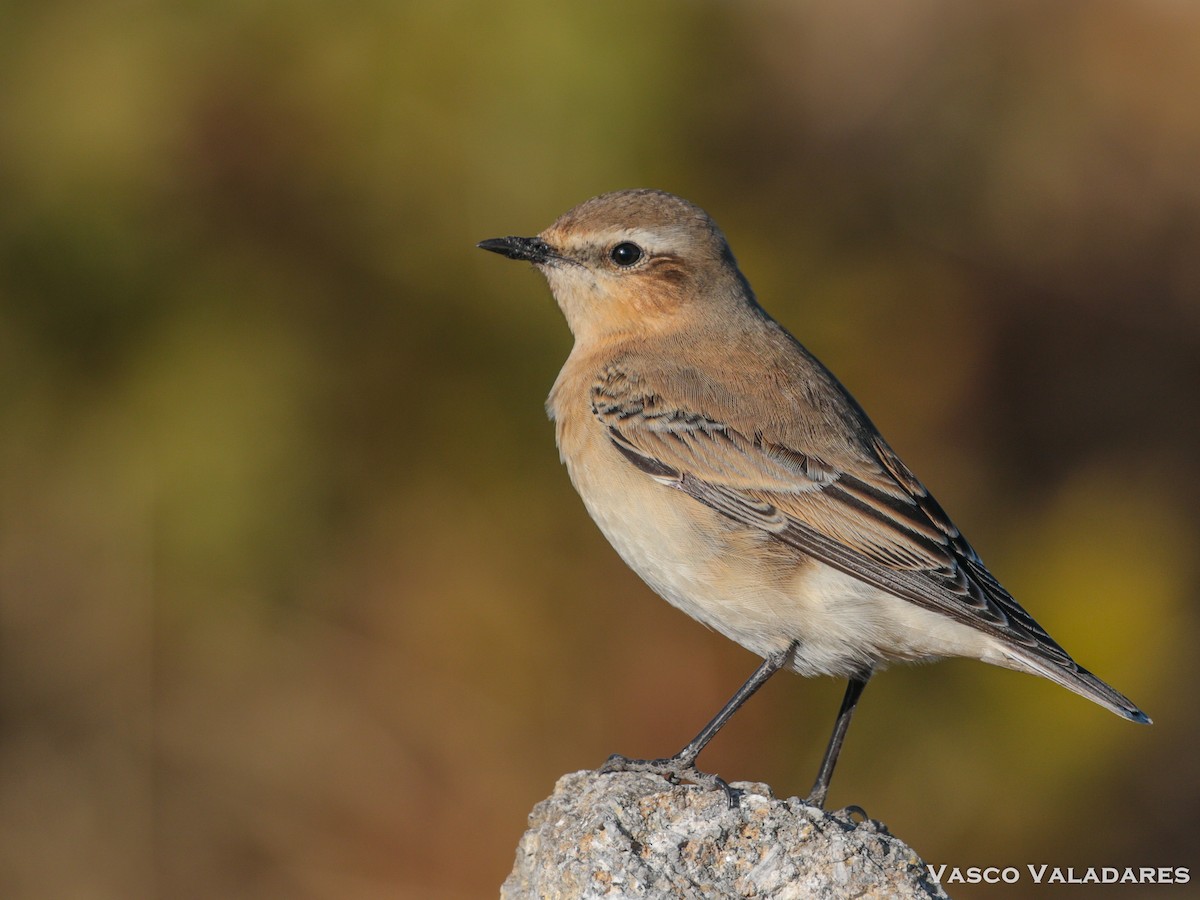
<point x="674" y="769"/>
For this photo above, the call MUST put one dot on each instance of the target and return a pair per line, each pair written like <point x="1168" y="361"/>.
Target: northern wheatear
<point x="744" y="484"/>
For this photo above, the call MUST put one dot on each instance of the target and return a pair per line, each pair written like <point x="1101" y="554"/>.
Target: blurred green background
<point x="295" y="598"/>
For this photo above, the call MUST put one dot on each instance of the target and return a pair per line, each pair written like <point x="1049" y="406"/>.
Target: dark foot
<point x="855" y="814"/>
<point x="674" y="769"/>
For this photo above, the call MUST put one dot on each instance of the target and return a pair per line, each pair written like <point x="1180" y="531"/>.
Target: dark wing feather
<point x="867" y="515"/>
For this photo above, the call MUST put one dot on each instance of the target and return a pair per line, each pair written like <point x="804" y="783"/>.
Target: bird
<point x="733" y="472"/>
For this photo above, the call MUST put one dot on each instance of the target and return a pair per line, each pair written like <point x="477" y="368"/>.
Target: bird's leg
<point x="820" y="788"/>
<point x="682" y="766"/>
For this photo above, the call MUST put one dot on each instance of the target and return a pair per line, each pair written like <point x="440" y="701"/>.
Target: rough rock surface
<point x="634" y="835"/>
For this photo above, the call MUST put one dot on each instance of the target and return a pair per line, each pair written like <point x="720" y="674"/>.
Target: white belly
<point x="753" y="589"/>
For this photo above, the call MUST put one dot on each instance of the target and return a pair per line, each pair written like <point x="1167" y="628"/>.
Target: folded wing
<point x="863" y="513"/>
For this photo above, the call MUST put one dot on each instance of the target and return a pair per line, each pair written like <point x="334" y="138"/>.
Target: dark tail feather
<point x="1084" y="683"/>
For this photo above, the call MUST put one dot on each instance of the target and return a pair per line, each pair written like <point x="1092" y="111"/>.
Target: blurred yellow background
<point x="295" y="598"/>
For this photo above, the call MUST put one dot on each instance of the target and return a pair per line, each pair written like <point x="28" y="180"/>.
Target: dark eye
<point x="625" y="254"/>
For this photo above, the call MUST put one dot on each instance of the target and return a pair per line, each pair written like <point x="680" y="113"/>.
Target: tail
<point x="1081" y="681"/>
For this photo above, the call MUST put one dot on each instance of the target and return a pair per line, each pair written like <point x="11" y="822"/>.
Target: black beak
<point x="532" y="249"/>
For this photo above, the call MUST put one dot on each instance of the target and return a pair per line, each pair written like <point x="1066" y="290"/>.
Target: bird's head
<point x="632" y="261"/>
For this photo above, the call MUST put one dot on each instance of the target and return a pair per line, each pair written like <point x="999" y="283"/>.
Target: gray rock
<point x="635" y="835"/>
